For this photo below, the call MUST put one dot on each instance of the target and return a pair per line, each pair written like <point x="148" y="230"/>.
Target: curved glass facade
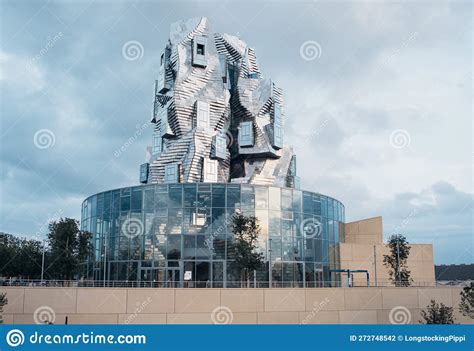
<point x="180" y="234"/>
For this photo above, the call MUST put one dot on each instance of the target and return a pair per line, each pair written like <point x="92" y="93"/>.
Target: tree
<point x="396" y="261"/>
<point x="68" y="247"/>
<point x="3" y="302"/>
<point x="246" y="231"/>
<point x="20" y="257"/>
<point x="437" y="314"/>
<point x="466" y="306"/>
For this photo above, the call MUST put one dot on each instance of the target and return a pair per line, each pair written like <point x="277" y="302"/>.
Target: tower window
<point x="202" y="111"/>
<point x="219" y="149"/>
<point x="246" y="134"/>
<point x="144" y="172"/>
<point x="171" y="173"/>
<point x="210" y="170"/>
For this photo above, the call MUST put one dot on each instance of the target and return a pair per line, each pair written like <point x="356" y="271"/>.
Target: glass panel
<point x="189" y="195"/>
<point x="274" y="224"/>
<point x="149" y="199"/>
<point x="175" y="196"/>
<point x="161" y="200"/>
<point x="136" y="199"/>
<point x="324" y="210"/>
<point x="175" y="221"/>
<point x="202" y="249"/>
<point x="203" y="274"/>
<point x="218" y="196"/>
<point x="248" y="197"/>
<point x="307" y="202"/>
<point x="262" y="216"/>
<point x="174" y="247"/>
<point x="286" y="199"/>
<point x="125" y="203"/>
<point x="218" y="274"/>
<point x="218" y="246"/>
<point x="297" y="200"/>
<point x="218" y="220"/>
<point x="233" y="196"/>
<point x="204" y="199"/>
<point x="189" y="247"/>
<point x="261" y="197"/>
<point x="274" y="198"/>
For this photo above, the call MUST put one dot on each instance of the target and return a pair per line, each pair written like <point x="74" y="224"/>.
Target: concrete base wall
<point x="370" y="257"/>
<point x="202" y="306"/>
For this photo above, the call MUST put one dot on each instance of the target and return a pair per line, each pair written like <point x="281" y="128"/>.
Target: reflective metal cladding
<point x="210" y="87"/>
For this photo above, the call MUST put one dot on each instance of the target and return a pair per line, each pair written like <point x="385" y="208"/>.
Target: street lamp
<point x="270" y="262"/>
<point x="42" y="261"/>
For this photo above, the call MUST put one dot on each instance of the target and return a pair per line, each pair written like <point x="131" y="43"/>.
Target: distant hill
<point x="454" y="272"/>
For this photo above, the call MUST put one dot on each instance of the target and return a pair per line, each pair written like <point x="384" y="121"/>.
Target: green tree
<point x="68" y="248"/>
<point x="466" y="306"/>
<point x="29" y="258"/>
<point x="247" y="258"/>
<point x="396" y="260"/>
<point x="437" y="314"/>
<point x="20" y="257"/>
<point x="3" y="302"/>
<point x="9" y="248"/>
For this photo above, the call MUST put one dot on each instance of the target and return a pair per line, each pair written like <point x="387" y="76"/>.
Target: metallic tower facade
<point x="216" y="119"/>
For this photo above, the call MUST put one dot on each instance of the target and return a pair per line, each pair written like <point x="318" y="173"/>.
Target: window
<point x="246" y="134"/>
<point x="219" y="149"/>
<point x="144" y="172"/>
<point x="200" y="49"/>
<point x="202" y="110"/>
<point x="277" y="137"/>
<point x="157" y="144"/>
<point x="210" y="170"/>
<point x="165" y="127"/>
<point x="293" y="165"/>
<point x="163" y="84"/>
<point x="277" y="114"/>
<point x="171" y="173"/>
<point x="223" y="64"/>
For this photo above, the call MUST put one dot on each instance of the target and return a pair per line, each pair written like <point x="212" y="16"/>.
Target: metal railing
<point x="199" y="284"/>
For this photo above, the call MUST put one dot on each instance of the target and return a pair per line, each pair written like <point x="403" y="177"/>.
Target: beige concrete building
<point x="363" y="249"/>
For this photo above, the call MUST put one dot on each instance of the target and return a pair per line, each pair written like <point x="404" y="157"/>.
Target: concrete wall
<point x="262" y="306"/>
<point x="365" y="231"/>
<point x="364" y="249"/>
<point x="370" y="257"/>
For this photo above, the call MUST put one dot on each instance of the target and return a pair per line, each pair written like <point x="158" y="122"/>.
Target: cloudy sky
<point x="378" y="104"/>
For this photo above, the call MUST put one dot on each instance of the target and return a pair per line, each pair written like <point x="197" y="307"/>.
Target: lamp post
<point x="42" y="261"/>
<point x="398" y="261"/>
<point x="105" y="257"/>
<point x="269" y="262"/>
